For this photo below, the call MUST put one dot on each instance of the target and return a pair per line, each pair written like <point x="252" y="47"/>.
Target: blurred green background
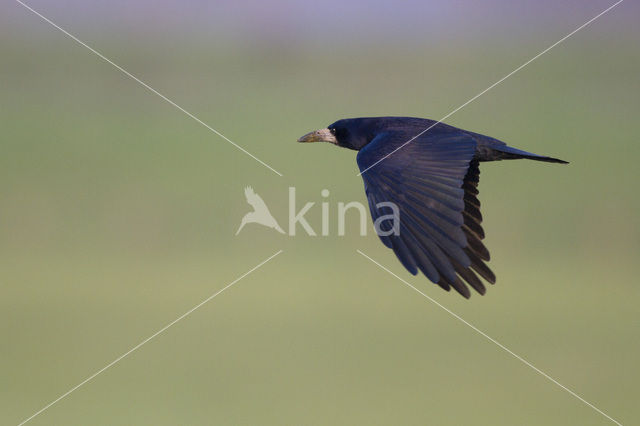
<point x="118" y="214"/>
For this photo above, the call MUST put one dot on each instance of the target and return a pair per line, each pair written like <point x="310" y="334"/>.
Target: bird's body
<point x="432" y="177"/>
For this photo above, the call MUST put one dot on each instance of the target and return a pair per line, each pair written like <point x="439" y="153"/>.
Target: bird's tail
<point x="509" y="153"/>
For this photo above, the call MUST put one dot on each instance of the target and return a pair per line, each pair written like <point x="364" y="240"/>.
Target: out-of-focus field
<point x="118" y="214"/>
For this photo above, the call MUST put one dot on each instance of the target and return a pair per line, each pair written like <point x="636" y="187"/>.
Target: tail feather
<point x="508" y="153"/>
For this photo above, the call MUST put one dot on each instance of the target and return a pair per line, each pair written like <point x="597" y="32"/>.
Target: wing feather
<point x="433" y="182"/>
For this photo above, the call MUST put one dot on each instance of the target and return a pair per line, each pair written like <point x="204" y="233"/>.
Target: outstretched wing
<point x="433" y="182"/>
<point x="254" y="200"/>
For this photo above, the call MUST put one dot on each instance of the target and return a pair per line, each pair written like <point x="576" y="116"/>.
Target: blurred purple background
<point x="337" y="21"/>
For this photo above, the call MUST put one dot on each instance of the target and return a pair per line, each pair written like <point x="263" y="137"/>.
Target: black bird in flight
<point x="433" y="180"/>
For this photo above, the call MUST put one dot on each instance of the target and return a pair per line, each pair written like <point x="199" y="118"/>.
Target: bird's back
<point x="406" y="129"/>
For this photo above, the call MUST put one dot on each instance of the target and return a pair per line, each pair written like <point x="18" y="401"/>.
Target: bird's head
<point x="352" y="133"/>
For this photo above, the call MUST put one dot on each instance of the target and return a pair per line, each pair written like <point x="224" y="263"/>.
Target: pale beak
<point x="322" y="135"/>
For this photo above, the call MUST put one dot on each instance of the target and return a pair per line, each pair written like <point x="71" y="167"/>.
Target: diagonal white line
<point x="127" y="73"/>
<point x="115" y="361"/>
<point x="500" y="345"/>
<point x="493" y="85"/>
